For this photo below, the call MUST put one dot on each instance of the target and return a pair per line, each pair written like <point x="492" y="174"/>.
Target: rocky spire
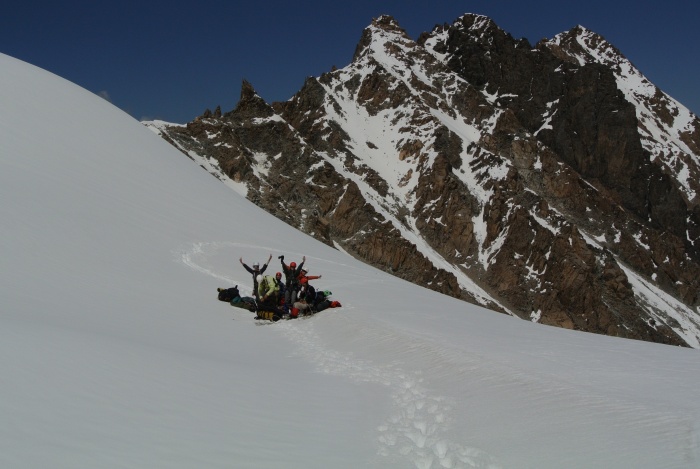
<point x="250" y="104"/>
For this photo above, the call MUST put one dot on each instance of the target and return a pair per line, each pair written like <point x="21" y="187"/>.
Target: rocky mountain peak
<point x="250" y="104"/>
<point x="479" y="26"/>
<point x="380" y="37"/>
<point x="582" y="46"/>
<point x="389" y="24"/>
<point x="530" y="181"/>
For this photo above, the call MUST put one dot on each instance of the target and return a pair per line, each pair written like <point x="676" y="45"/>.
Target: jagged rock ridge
<point x="553" y="183"/>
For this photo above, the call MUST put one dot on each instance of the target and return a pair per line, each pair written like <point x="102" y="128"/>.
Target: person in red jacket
<point x="310" y="301"/>
<point x="303" y="273"/>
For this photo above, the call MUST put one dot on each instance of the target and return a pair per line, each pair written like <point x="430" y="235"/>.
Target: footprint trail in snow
<point x="417" y="425"/>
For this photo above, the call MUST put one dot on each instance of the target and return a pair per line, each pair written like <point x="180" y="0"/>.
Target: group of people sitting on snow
<point x="275" y="298"/>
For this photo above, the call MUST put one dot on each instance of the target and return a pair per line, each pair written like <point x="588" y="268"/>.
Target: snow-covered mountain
<point x="551" y="182"/>
<point x="115" y="353"/>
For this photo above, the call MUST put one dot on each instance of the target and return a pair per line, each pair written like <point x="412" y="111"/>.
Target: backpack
<point x="269" y="283"/>
<point x="310" y="296"/>
<point x="228" y="294"/>
<point x="321" y="295"/>
<point x="245" y="302"/>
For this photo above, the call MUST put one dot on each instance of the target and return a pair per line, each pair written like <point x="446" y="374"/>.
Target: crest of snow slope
<point x="115" y="353"/>
<point x="209" y="164"/>
<point x="376" y="139"/>
<point x="662" y="139"/>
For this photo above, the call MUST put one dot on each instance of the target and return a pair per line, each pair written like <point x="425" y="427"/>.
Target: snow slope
<point x="115" y="353"/>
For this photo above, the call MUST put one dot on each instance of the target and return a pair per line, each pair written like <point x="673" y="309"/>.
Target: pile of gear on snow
<point x="274" y="298"/>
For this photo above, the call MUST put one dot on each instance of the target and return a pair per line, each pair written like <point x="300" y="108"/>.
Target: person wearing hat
<point x="303" y="274"/>
<point x="311" y="301"/>
<point x="268" y="292"/>
<point x="291" y="274"/>
<point x="255" y="271"/>
<point x="282" y="289"/>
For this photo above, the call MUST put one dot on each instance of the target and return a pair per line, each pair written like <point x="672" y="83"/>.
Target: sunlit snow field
<point x="114" y="351"/>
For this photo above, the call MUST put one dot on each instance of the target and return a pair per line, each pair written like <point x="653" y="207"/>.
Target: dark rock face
<point x="521" y="178"/>
<point x="594" y="129"/>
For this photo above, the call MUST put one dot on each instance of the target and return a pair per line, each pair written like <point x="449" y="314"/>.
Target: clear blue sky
<point x="171" y="60"/>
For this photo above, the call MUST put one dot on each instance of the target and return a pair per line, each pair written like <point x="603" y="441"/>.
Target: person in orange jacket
<point x="303" y="273"/>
